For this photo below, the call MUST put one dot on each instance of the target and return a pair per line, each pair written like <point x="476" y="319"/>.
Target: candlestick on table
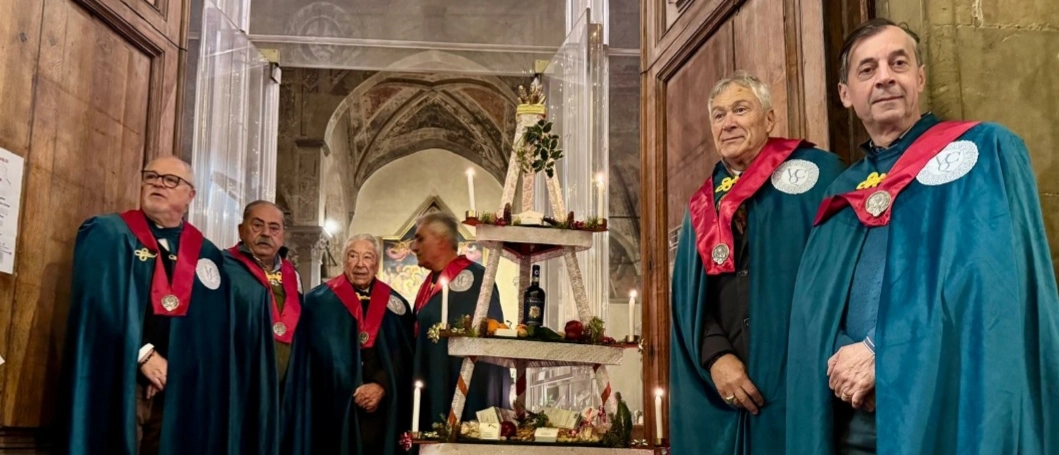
<point x="416" y="398"/>
<point x="600" y="208"/>
<point x="444" y="303"/>
<point x="658" y="415"/>
<point x="632" y="317"/>
<point x="470" y="187"/>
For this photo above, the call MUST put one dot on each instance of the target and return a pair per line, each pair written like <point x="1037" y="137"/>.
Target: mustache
<point x="264" y="240"/>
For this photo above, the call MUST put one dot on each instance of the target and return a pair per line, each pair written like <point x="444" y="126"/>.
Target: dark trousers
<point x="149" y="421"/>
<point x="372" y="431"/>
<point x="854" y="430"/>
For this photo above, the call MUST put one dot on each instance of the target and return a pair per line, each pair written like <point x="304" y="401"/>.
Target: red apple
<point x="574" y="330"/>
<point x="508" y="429"/>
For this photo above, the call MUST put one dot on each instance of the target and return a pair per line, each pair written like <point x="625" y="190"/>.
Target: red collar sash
<point x="429" y="289"/>
<point x="380" y="297"/>
<point x="713" y="225"/>
<point x="168" y="298"/>
<point x="283" y="323"/>
<point x="872" y="205"/>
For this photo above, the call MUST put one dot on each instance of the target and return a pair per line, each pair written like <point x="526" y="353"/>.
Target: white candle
<point x="632" y="314"/>
<point x="470" y="187"/>
<point x="416" y="397"/>
<point x="600" y="208"/>
<point x="658" y="414"/>
<point x="444" y="303"/>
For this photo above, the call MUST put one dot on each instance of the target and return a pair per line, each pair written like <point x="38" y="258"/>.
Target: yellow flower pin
<point x="726" y="184"/>
<point x="873" y="180"/>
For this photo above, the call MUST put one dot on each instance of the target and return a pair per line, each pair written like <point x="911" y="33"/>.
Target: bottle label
<point x="534" y="311"/>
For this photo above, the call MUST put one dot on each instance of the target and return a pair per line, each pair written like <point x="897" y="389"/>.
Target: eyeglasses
<point x="168" y="180"/>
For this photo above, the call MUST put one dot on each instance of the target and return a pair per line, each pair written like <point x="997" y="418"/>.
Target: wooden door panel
<point x="20" y="29"/>
<point x="101" y="97"/>
<point x="759" y="49"/>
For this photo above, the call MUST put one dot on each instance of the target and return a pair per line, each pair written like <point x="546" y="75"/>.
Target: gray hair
<point x="743" y="79"/>
<point x="250" y="207"/>
<point x="376" y="244"/>
<point x="187" y="166"/>
<point x="442" y="224"/>
<point x="869" y="29"/>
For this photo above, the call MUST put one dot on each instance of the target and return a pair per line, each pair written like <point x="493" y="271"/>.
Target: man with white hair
<point x="740" y="245"/>
<point x="348" y="382"/>
<point x="926" y="293"/>
<point x="148" y="365"/>
<point x="436" y="248"/>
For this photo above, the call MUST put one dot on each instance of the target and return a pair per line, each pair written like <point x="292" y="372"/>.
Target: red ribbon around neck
<point x="380" y="297"/>
<point x="429" y="289"/>
<point x="713" y="225"/>
<point x="283" y="322"/>
<point x="872" y="205"/>
<point x="168" y="298"/>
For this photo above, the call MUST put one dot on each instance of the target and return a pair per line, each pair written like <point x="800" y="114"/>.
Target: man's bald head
<point x="172" y="165"/>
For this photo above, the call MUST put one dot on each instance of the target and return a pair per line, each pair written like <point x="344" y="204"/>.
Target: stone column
<point x="307" y="204"/>
<point x="306" y="245"/>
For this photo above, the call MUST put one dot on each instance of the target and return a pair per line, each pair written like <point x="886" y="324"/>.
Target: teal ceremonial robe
<point x="258" y="394"/>
<point x="439" y="372"/>
<point x="967" y="331"/>
<point x="97" y="403"/>
<point x="778" y="226"/>
<point x="319" y="413"/>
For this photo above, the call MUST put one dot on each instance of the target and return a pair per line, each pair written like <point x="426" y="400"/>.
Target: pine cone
<point x="507" y="212"/>
<point x="570" y="219"/>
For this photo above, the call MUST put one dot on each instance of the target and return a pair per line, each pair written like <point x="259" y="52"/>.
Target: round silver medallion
<point x="720" y="253"/>
<point x="170" y="302"/>
<point x="279" y="328"/>
<point x="363" y="337"/>
<point x="877" y="203"/>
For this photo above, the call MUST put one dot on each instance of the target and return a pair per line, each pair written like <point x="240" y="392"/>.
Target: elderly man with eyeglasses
<point x="149" y="364"/>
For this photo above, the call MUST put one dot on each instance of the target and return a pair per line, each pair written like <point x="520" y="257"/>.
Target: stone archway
<point x="377" y="117"/>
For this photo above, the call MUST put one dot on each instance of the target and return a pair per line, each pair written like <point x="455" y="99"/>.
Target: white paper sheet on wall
<point x="11" y="167"/>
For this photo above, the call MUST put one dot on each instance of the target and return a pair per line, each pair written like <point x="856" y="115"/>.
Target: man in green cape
<point x="926" y="292"/>
<point x="435" y="247"/>
<point x="739" y="249"/>
<point x="148" y="365"/>
<point x="349" y="381"/>
<point x="262" y="275"/>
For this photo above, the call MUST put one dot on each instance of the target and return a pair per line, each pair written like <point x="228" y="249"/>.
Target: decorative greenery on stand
<point x="538" y="149"/>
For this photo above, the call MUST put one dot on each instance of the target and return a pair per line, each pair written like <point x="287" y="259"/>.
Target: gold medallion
<point x="279" y="329"/>
<point x="877" y="203"/>
<point x="170" y="302"/>
<point x="363" y="338"/>
<point x="720" y="253"/>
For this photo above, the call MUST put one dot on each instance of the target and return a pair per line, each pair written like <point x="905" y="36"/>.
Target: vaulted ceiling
<point x="393" y="115"/>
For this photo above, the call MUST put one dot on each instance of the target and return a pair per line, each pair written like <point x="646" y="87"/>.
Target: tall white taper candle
<point x="632" y="314"/>
<point x="470" y="187"/>
<point x="416" y="398"/>
<point x="444" y="303"/>
<point x="658" y="415"/>
<point x="601" y="210"/>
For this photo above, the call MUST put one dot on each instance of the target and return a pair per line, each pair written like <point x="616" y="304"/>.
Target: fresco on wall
<point x="401" y="269"/>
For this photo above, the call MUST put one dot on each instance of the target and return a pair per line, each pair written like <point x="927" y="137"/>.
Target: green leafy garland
<point x="538" y="149"/>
